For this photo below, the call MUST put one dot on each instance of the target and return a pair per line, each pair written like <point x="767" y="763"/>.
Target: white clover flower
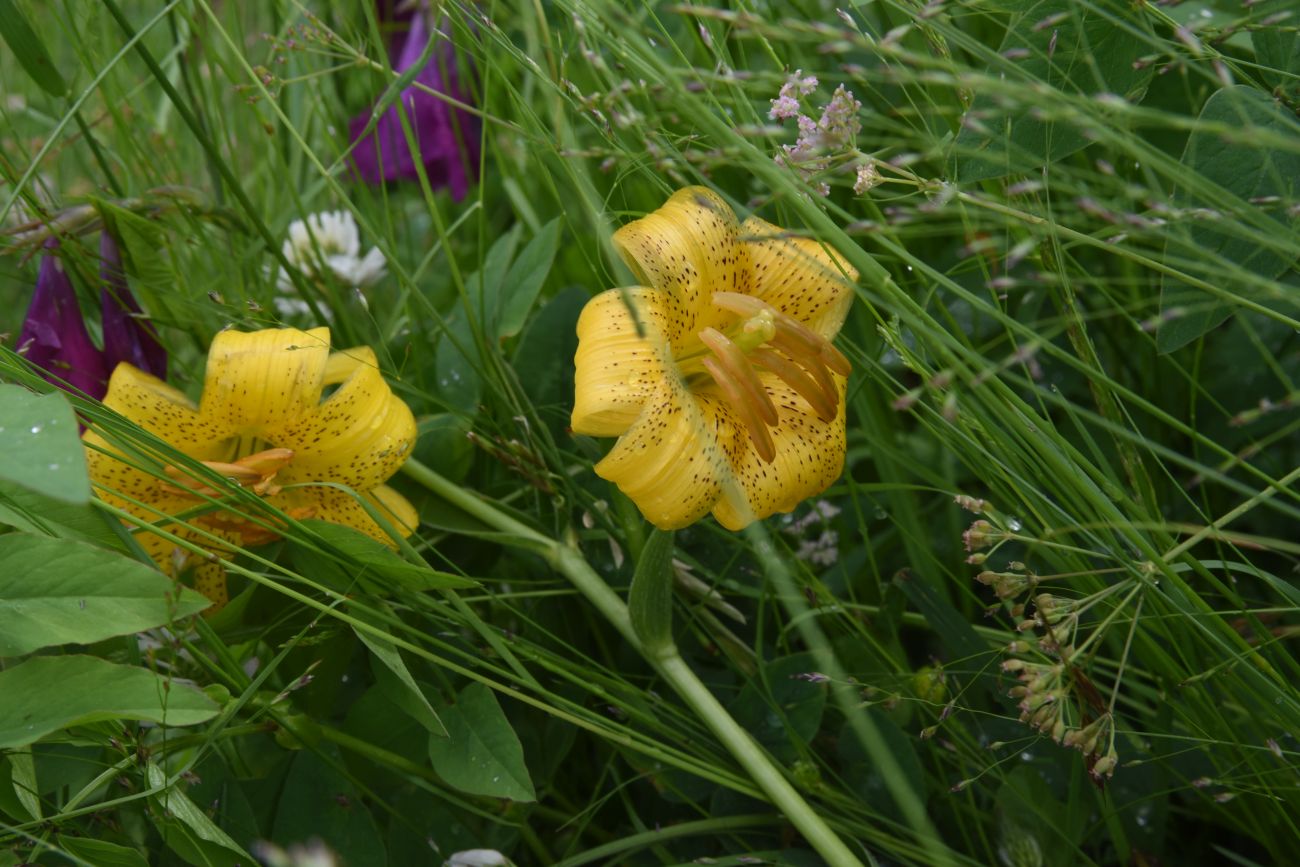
<point x="477" y="858"/>
<point x="328" y="244"/>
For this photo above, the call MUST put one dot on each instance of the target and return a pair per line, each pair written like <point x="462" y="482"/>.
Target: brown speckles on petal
<point x="262" y="392"/>
<point x="799" y="277"/>
<point x="688" y="248"/>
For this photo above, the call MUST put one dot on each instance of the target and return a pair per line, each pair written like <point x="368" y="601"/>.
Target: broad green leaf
<point x="145" y="257"/>
<point x="1031" y="818"/>
<point x="396" y="680"/>
<point x="49" y="693"/>
<point x="32" y="512"/>
<point x="650" y="600"/>
<point x="1277" y="48"/>
<point x="40" y="448"/>
<point x="376" y="562"/>
<point x="1225" y="172"/>
<point x="864" y="774"/>
<point x="1071" y="47"/>
<point x="488" y="285"/>
<point x="443" y="446"/>
<point x="525" y="279"/>
<point x="26" y="788"/>
<point x="319" y="801"/>
<point x="783" y="711"/>
<point x="29" y="50"/>
<point x="481" y="754"/>
<point x="459" y="383"/>
<point x="543" y="361"/>
<point x="101" y="853"/>
<point x="58" y="591"/>
<point x="188" y="831"/>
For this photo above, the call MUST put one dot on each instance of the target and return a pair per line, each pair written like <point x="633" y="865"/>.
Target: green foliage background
<point x="1078" y="302"/>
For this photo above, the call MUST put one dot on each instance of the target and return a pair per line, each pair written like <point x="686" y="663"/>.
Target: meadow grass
<point x="1076" y="309"/>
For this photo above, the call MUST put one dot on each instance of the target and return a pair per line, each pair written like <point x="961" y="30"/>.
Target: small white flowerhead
<point x="868" y="177"/>
<point x="477" y="858"/>
<point x="328" y="243"/>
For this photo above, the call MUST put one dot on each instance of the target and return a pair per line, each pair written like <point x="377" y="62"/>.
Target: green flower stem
<point x="567" y="560"/>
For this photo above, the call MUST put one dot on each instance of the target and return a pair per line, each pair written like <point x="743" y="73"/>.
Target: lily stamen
<point x="823" y="402"/>
<point x="743" y="407"/>
<point x="256" y="471"/>
<point x="737" y="365"/>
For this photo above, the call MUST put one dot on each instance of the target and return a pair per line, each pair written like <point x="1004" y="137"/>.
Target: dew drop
<point x="1014" y="525"/>
<point x="53" y="467"/>
<point x="36" y="428"/>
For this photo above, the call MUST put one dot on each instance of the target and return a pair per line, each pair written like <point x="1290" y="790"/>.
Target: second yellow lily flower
<point x="718" y="373"/>
<point x="262" y="424"/>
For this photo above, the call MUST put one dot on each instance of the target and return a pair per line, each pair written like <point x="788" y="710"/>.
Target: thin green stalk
<point x="668" y="661"/>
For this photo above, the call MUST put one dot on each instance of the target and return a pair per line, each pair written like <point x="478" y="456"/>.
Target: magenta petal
<point x="54" y="336"/>
<point x="128" y="336"/>
<point x="447" y="138"/>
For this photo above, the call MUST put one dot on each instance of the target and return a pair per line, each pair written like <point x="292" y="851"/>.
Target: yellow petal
<point x="799" y="276"/>
<point x="809" y="458"/>
<point x="163" y="411"/>
<point x="672" y="462"/>
<point x="615" y="369"/>
<point x="259" y="381"/>
<point x="210" y="580"/>
<point x="358" y="436"/>
<point x="689" y="248"/>
<point x="341" y="507"/>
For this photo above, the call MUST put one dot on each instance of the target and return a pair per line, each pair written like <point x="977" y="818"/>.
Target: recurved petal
<point x="799" y="276"/>
<point x="689" y="248"/>
<point x="165" y="412"/>
<point x="672" y="462"/>
<point x="358" y="436"/>
<point x="259" y="381"/>
<point x="809" y="457"/>
<point x="615" y="368"/>
<point x="341" y="507"/>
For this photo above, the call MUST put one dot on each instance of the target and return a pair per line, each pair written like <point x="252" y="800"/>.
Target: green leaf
<point x="32" y="512"/>
<point x="101" y="853"/>
<point x="21" y="780"/>
<point x="40" y="448"/>
<point x="487" y="286"/>
<point x="525" y="279"/>
<point x="481" y="754"/>
<point x="144" y="256"/>
<point x="187" y="830"/>
<point x="459" y="383"/>
<point x="49" y="693"/>
<point x="377" y="563"/>
<point x="1226" y="172"/>
<point x="1277" y="49"/>
<point x="864" y="774"/>
<point x="1031" y="818"/>
<point x="650" y="600"/>
<point x="319" y="801"/>
<point x="58" y="591"/>
<point x="543" y="360"/>
<point x="1083" y="51"/>
<point x="395" y="679"/>
<point x="783" y="710"/>
<point x="29" y="50"/>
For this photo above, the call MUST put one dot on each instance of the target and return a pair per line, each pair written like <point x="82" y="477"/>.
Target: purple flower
<point x="54" y="337"/>
<point x="446" y="138"/>
<point x="128" y="336"/>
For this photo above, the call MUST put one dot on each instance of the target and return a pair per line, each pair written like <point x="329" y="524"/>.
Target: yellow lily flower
<point x="729" y="397"/>
<point x="263" y="425"/>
